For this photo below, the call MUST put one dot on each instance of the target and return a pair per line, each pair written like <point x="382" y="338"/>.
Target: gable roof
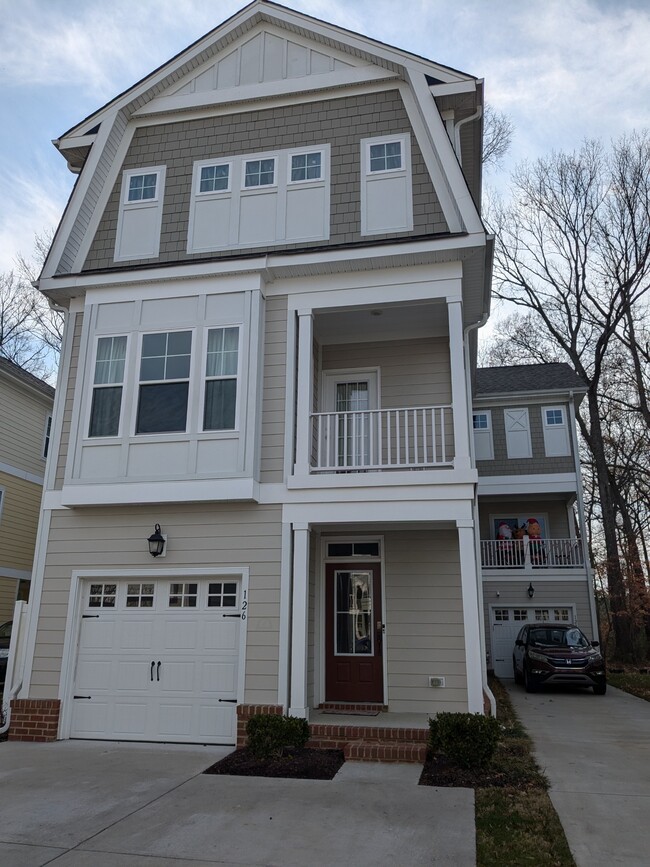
<point x="18" y="373"/>
<point x="517" y="378"/>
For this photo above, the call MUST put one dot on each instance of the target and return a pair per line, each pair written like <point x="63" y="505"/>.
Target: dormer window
<point x="259" y="173"/>
<point x="142" y="187"/>
<point x="386" y="185"/>
<point x="140" y="216"/>
<point x="215" y="178"/>
<point x="386" y="157"/>
<point x="306" y="167"/>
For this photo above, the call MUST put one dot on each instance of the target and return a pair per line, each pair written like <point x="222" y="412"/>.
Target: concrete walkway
<point x="595" y="751"/>
<point x="98" y="804"/>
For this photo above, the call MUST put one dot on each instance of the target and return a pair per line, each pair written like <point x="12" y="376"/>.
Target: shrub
<point x="270" y="735"/>
<point x="469" y="739"/>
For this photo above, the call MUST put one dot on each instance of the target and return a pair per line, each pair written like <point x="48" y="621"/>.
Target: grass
<point x="635" y="684"/>
<point x="516" y="823"/>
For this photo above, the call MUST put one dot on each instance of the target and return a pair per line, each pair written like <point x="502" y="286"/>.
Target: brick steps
<point x="371" y="743"/>
<point x="385" y="751"/>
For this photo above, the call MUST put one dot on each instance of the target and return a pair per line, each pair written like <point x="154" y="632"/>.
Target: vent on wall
<point x="435" y="680"/>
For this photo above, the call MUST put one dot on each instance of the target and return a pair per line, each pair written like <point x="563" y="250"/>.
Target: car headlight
<point x="596" y="658"/>
<point x="539" y="657"/>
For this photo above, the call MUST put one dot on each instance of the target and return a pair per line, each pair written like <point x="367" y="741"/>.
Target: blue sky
<point x="562" y="69"/>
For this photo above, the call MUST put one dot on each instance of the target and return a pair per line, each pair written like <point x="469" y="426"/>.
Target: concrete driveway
<point x="596" y="753"/>
<point x="99" y="804"/>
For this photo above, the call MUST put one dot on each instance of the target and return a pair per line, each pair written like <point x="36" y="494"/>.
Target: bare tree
<point x="573" y="252"/>
<point x="497" y="136"/>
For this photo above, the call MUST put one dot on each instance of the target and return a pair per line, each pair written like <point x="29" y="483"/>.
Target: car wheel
<point x="600" y="689"/>
<point x="516" y="674"/>
<point x="529" y="684"/>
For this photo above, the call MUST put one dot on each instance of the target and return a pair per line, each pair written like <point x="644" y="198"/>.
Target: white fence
<point x="530" y="553"/>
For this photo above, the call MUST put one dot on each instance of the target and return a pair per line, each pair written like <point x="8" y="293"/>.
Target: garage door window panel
<point x="139" y="595"/>
<point x="183" y="595"/>
<point x="222" y="594"/>
<point x="102" y="596"/>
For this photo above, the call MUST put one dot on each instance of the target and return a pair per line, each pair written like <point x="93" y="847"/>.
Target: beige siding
<point x="8" y="588"/>
<point x="273" y="407"/>
<point x="23" y="415"/>
<point x="198" y="536"/>
<point x="555" y="510"/>
<point x="76" y="323"/>
<point x="313" y="631"/>
<point x="18" y="522"/>
<point x="412" y="372"/>
<point x="424" y="622"/>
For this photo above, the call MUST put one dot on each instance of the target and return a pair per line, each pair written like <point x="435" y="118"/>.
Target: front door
<point x="354" y="633"/>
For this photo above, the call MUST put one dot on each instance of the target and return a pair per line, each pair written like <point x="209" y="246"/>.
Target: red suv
<point x="557" y="653"/>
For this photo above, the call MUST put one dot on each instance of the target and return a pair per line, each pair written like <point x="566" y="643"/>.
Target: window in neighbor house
<point x="386" y="185"/>
<point x="219" y="411"/>
<point x="107" y="387"/>
<point x="483" y="443"/>
<point x="164" y="382"/>
<point x="517" y="425"/>
<point x="48" y="434"/>
<point x="556" y="432"/>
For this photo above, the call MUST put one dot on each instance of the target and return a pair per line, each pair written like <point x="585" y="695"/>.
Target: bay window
<point x="164" y="382"/>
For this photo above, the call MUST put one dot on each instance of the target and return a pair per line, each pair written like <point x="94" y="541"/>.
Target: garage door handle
<point x="228" y="700"/>
<point x="158" y="671"/>
<point x="152" y="665"/>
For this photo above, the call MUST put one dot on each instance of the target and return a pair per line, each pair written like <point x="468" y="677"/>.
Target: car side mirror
<point x="595" y="643"/>
<point x="519" y="643"/>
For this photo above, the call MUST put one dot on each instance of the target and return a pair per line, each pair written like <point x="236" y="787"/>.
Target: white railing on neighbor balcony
<point x="382" y="439"/>
<point x="530" y="553"/>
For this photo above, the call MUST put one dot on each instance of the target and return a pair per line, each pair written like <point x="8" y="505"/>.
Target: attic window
<point x="215" y="179"/>
<point x="142" y="187"/>
<point x="386" y="157"/>
<point x="259" y="173"/>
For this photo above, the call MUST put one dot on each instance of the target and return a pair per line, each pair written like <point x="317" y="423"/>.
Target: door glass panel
<point x="353" y="613"/>
<point x="353" y="402"/>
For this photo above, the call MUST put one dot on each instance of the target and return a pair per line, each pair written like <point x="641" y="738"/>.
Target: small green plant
<point x="270" y="735"/>
<point x="469" y="739"/>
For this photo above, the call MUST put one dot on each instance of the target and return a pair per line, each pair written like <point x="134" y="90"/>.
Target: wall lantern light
<point x="156" y="542"/>
<point x="530" y="591"/>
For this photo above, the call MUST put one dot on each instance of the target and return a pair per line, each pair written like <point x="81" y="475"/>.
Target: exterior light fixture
<point x="156" y="542"/>
<point x="530" y="591"/>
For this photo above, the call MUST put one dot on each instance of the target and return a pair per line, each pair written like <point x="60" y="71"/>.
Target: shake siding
<point x="198" y="536"/>
<point x="424" y="621"/>
<point x="18" y="522"/>
<point x="502" y="465"/>
<point x="342" y="122"/>
<point x="8" y="588"/>
<point x="412" y="372"/>
<point x="558" y="520"/>
<point x="273" y="402"/>
<point x="69" y="400"/>
<point x="22" y="428"/>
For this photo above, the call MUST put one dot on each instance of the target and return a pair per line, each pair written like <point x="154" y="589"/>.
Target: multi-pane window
<point x="306" y="167"/>
<point x="183" y="595"/>
<point x="139" y="595"/>
<point x="501" y="614"/>
<point x="164" y="382"/>
<point x="222" y="594"/>
<point x="561" y="614"/>
<point x="542" y="614"/>
<point x="386" y="156"/>
<point x="102" y="596"/>
<point x="214" y="179"/>
<point x="221" y="379"/>
<point x="554" y="417"/>
<point x="520" y="614"/>
<point x="353" y="549"/>
<point x="259" y="173"/>
<point x="480" y="421"/>
<point x="107" y="390"/>
<point x="142" y="187"/>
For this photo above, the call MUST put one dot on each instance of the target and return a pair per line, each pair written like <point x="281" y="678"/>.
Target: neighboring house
<point x="531" y="513"/>
<point x="274" y="266"/>
<point x="25" y="421"/>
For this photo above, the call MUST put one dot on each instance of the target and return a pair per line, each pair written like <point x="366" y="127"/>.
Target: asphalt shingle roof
<point x="17" y="372"/>
<point x="555" y="376"/>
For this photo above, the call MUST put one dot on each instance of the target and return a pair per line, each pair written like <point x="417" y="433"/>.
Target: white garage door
<point x="506" y="623"/>
<point x="159" y="661"/>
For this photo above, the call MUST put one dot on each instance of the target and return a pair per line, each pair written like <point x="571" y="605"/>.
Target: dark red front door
<point x="354" y="642"/>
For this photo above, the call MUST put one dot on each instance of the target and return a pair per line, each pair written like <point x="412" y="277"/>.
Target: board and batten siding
<point x="76" y="323"/>
<point x="424" y="621"/>
<point x="274" y="385"/>
<point x="18" y="522"/>
<point x="233" y="534"/>
<point x="23" y="415"/>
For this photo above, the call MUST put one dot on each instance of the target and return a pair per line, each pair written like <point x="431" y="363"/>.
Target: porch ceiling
<point x="383" y="322"/>
<point x="383" y="527"/>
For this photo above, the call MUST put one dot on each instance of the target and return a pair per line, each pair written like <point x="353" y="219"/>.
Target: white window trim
<point x="227" y="432"/>
<point x="307" y="181"/>
<point x="190" y="379"/>
<point x="505" y="425"/>
<point x="368" y="177"/>
<point x="196" y="179"/>
<point x="92" y="386"/>
<point x="486" y="430"/>
<point x="253" y="158"/>
<point x="47" y="437"/>
<point x="141" y="204"/>
<point x="332" y="378"/>
<point x="547" y="428"/>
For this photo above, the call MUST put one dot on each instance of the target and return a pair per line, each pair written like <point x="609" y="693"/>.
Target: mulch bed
<point x="442" y="772"/>
<point x="304" y="764"/>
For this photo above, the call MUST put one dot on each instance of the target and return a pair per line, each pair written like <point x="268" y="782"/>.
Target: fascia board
<point x="265" y="90"/>
<point x="74" y="141"/>
<point x="453" y="87"/>
<point x="22" y="385"/>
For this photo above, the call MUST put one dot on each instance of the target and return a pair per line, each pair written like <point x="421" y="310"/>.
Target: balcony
<point x="407" y="438"/>
<point x="529" y="555"/>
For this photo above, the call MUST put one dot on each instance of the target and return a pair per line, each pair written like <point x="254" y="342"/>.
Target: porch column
<point x="472" y="613"/>
<point x="304" y="403"/>
<point x="459" y="396"/>
<point x="299" y="621"/>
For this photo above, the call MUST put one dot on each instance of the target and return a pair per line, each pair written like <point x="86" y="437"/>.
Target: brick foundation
<point x="34" y="719"/>
<point x="246" y="711"/>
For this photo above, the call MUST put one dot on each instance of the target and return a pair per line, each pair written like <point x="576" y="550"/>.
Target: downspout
<point x="582" y="519"/>
<point x="475" y="116"/>
<point x="477" y="546"/>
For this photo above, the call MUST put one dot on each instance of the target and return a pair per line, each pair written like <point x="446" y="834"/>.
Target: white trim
<point x="446" y="475"/>
<point x="155" y="204"/>
<point x="562" y="576"/>
<point x="291" y="367"/>
<point x="284" y="636"/>
<point x="299" y="700"/>
<point x="523" y="410"/>
<point x="36" y="593"/>
<point x="17" y="574"/>
<point x="73" y="623"/>
<point x="549" y="451"/>
<point x="459" y="396"/>
<point x="134" y="493"/>
<point x="58" y="408"/>
<point x="487" y="433"/>
<point x="47" y="435"/>
<point x="380" y="512"/>
<point x="22" y="474"/>
<point x="87" y="399"/>
<point x="469" y="578"/>
<point x="529" y="483"/>
<point x="369" y="177"/>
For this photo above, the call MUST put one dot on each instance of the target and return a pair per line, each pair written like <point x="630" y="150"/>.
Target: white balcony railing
<point x="529" y="553"/>
<point x="382" y="439"/>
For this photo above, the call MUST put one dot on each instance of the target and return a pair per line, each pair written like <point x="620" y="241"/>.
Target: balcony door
<point x="350" y="399"/>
